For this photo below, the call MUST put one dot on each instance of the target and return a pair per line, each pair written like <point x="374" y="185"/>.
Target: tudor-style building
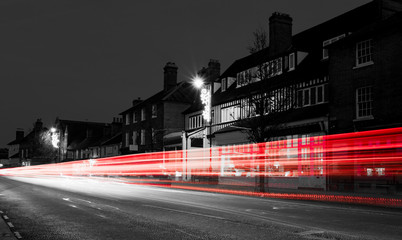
<point x="320" y="81"/>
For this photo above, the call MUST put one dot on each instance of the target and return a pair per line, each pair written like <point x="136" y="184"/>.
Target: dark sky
<point x="88" y="59"/>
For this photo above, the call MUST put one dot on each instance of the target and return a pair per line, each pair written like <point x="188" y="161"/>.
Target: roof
<point x="312" y="38"/>
<point x="395" y="21"/>
<point x="183" y="92"/>
<point x="116" y="139"/>
<point x="16" y="141"/>
<point x="78" y="132"/>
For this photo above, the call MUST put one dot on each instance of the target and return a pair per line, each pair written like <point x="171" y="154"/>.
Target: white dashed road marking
<point x="10" y="224"/>
<point x="18" y="235"/>
<point x="192" y="213"/>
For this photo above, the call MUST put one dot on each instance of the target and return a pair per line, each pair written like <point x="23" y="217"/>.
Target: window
<point x="364" y="102"/>
<point x="364" y="53"/>
<point x="195" y="121"/>
<point x="154" y="111"/>
<point x="153" y="134"/>
<point x="320" y="94"/>
<point x="127" y="142"/>
<point x="142" y="136"/>
<point x="229" y="114"/>
<point x="224" y="84"/>
<point x="241" y="79"/>
<point x="142" y="114"/>
<point x="306" y="97"/>
<point x="127" y="117"/>
<point x="311" y="96"/>
<point x="274" y="67"/>
<point x="291" y="61"/>
<point x="328" y="42"/>
<point x="286" y="63"/>
<point x="135" y="136"/>
<point x="134" y="117"/>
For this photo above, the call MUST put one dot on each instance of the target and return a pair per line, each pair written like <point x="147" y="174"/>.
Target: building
<point x="14" y="146"/>
<point x="84" y="140"/>
<point x="365" y="81"/>
<point x="35" y="148"/>
<point x="338" y="76"/>
<point x="156" y="123"/>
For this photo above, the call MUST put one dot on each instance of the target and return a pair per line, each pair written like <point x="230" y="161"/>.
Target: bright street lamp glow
<point x="198" y="82"/>
<point x="53" y="130"/>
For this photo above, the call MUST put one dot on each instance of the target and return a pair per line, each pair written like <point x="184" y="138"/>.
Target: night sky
<point x="88" y="59"/>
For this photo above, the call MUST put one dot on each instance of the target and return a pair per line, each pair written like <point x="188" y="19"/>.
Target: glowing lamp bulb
<point x="198" y="82"/>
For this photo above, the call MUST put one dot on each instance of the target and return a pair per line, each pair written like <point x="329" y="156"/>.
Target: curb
<point x="6" y="228"/>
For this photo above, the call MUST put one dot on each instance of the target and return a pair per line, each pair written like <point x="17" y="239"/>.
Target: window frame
<point x="154" y="111"/>
<point x="142" y="142"/>
<point x="292" y="62"/>
<point x="361" y="50"/>
<point x="366" y="102"/>
<point x="143" y="118"/>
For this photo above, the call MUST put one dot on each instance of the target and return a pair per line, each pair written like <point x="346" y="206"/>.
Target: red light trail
<point x="331" y="163"/>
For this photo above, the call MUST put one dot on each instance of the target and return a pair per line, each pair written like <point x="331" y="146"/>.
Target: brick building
<point x="156" y="123"/>
<point x="339" y="76"/>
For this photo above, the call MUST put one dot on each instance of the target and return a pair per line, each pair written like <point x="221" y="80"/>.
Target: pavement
<point x="5" y="231"/>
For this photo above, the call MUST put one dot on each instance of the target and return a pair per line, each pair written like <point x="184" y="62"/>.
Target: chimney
<point x="387" y="8"/>
<point x="170" y="76"/>
<point x="19" y="134"/>
<point x="280" y="32"/>
<point x="38" y="124"/>
<point x="214" y="70"/>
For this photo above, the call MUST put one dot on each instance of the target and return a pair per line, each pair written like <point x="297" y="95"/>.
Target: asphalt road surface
<point x="80" y="208"/>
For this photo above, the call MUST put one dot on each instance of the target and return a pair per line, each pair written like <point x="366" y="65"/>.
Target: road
<point x="88" y="208"/>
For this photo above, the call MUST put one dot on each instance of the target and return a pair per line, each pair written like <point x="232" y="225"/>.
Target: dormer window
<point x="241" y="79"/>
<point x="224" y="83"/>
<point x="291" y="61"/>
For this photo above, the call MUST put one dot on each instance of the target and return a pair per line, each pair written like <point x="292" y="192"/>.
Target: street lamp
<point x="206" y="99"/>
<point x="55" y="138"/>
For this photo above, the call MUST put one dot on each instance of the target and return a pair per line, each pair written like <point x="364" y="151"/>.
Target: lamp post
<point x="206" y="99"/>
<point x="55" y="137"/>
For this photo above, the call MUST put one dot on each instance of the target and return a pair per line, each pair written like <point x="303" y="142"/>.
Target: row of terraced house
<point x="340" y="76"/>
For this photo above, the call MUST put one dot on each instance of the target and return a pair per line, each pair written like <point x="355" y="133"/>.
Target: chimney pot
<point x="170" y="76"/>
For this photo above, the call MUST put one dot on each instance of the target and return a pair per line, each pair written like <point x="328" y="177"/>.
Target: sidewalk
<point x="5" y="232"/>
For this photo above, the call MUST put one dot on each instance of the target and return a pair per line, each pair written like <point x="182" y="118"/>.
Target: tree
<point x="265" y="99"/>
<point x="45" y="148"/>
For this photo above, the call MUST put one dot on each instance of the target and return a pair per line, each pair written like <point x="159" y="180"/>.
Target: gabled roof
<point x="312" y="38"/>
<point x="14" y="142"/>
<point x="183" y="92"/>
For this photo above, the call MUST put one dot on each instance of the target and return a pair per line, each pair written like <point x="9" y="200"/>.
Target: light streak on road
<point x="371" y="156"/>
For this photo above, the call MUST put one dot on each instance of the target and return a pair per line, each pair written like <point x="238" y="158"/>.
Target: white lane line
<point x="84" y="200"/>
<point x="67" y="199"/>
<point x="192" y="235"/>
<point x="311" y="232"/>
<point x="186" y="212"/>
<point x="10" y="224"/>
<point x="18" y="235"/>
<point x="5" y="217"/>
<point x="72" y="205"/>
<point x="1" y="212"/>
